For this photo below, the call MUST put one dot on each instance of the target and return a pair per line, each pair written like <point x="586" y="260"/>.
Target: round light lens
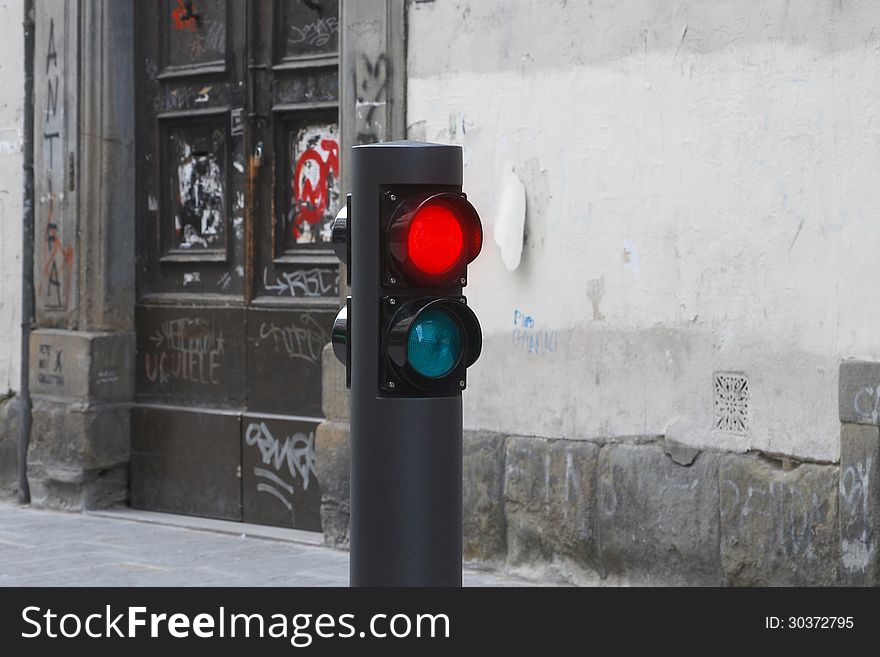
<point x="436" y="239"/>
<point x="434" y="344"/>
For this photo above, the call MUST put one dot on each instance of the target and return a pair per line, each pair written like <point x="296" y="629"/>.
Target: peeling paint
<point x="192" y="278"/>
<point x="630" y="258"/>
<point x="201" y="197"/>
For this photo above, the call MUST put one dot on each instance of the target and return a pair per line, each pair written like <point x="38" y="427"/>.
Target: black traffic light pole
<point x="405" y="450"/>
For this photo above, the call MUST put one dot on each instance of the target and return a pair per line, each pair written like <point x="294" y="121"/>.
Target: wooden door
<point x="238" y="169"/>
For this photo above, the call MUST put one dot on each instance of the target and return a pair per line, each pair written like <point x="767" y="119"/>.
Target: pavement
<point x="125" y="547"/>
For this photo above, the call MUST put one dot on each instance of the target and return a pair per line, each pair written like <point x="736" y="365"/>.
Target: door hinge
<point x="71" y="172"/>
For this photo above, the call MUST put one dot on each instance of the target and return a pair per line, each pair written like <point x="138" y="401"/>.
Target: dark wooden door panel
<point x="190" y="355"/>
<point x="279" y="483"/>
<point x="284" y="360"/>
<point x="191" y="150"/>
<point x="296" y="46"/>
<point x="185" y="461"/>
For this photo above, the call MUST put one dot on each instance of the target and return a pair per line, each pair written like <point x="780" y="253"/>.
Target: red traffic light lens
<point x="433" y="238"/>
<point x="436" y="239"/>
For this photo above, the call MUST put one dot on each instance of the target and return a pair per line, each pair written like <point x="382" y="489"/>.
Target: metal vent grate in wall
<point x="731" y="403"/>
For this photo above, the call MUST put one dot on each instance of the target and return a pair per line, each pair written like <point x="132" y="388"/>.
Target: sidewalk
<point x="125" y="547"/>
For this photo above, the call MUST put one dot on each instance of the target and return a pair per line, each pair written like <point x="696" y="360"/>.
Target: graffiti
<point x="199" y="222"/>
<point x="310" y="181"/>
<point x="224" y="281"/>
<point x="527" y="338"/>
<point x="303" y="342"/>
<point x="855" y="488"/>
<point x="523" y="320"/>
<point x="296" y="456"/>
<point x="792" y="514"/>
<point x="316" y="33"/>
<point x="175" y="99"/>
<point x="186" y="349"/>
<point x="315" y="187"/>
<point x="204" y="95"/>
<point x="315" y="282"/>
<point x="58" y="267"/>
<point x="56" y="263"/>
<point x="858" y="544"/>
<point x="208" y="37"/>
<point x="183" y="17"/>
<point x="151" y="68"/>
<point x="213" y="41"/>
<point x="50" y="369"/>
<point x="192" y="278"/>
<point x="866" y="404"/>
<point x="371" y="80"/>
<point x="106" y="377"/>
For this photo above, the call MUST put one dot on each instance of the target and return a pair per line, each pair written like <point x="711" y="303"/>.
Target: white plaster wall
<point x="11" y="125"/>
<point x="703" y="189"/>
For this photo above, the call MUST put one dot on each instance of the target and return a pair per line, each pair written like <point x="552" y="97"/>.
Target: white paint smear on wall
<point x="722" y="189"/>
<point x="510" y="218"/>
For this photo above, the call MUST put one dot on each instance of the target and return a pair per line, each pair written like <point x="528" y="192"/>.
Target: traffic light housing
<point x="429" y="336"/>
<point x="428" y="234"/>
<point x="429" y="238"/>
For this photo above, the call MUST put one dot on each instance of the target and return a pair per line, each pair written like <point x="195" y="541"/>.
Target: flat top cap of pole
<point x="408" y="162"/>
<point x="406" y="143"/>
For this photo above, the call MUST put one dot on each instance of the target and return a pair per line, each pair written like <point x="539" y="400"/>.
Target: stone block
<point x="335" y="397"/>
<point x="859" y="501"/>
<point x="778" y="526"/>
<point x="81" y="365"/>
<point x="333" y="465"/>
<point x="79" y="436"/>
<point x="69" y="489"/>
<point x="484" y="531"/>
<point x="859" y="392"/>
<point x="78" y="454"/>
<point x="658" y="520"/>
<point x="550" y="502"/>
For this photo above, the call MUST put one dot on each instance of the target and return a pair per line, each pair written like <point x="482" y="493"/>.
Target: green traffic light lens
<point x="434" y="344"/>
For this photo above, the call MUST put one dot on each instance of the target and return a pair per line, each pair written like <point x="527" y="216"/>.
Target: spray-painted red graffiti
<point x="184" y="17"/>
<point x="312" y="181"/>
<point x="58" y="266"/>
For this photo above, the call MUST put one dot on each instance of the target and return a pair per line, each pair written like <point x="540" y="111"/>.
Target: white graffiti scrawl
<point x="296" y="455"/>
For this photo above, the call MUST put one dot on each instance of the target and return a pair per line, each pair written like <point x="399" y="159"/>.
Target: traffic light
<point x="429" y="335"/>
<point x="407" y="337"/>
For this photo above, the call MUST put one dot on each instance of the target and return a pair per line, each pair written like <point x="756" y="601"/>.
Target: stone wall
<point x="648" y="510"/>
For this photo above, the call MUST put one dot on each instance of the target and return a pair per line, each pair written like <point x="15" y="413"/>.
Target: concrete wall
<point x="11" y="141"/>
<point x="11" y="126"/>
<point x="700" y="188"/>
